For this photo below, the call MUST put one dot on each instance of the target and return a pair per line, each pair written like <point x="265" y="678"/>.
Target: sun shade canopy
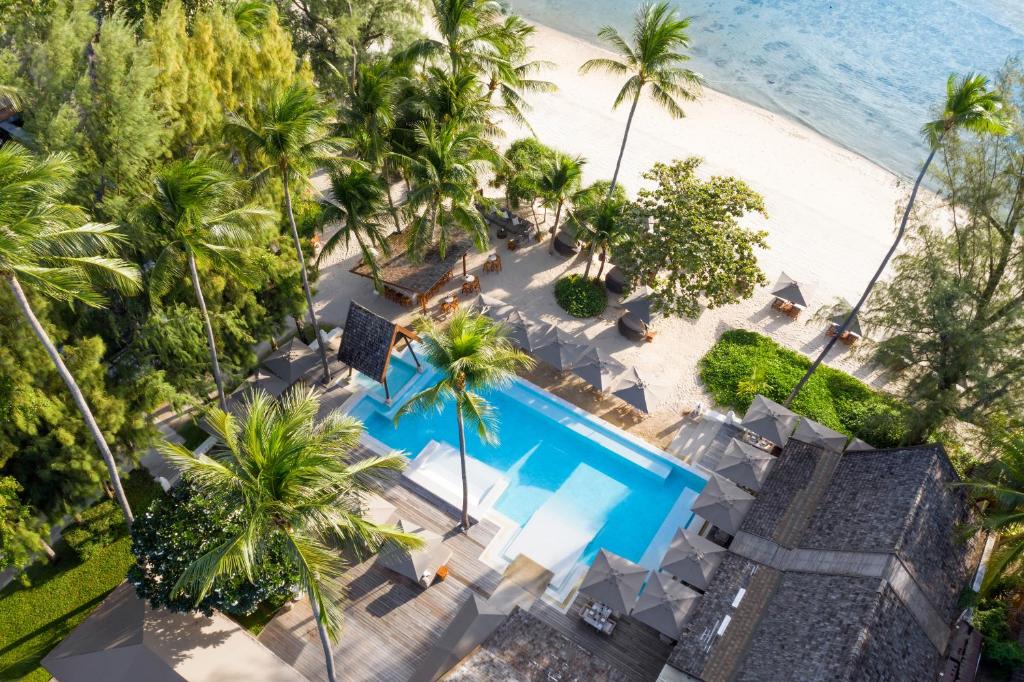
<point x="791" y="291"/>
<point x="769" y="420"/>
<point x="744" y="464"/>
<point x="368" y="340"/>
<point x="614" y="581"/>
<point x="723" y="503"/>
<point x="692" y="558"/>
<point x="664" y="605"/>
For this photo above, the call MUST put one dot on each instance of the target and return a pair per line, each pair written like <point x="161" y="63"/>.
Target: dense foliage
<point x="102" y="524"/>
<point x="696" y="254"/>
<point x="581" y="296"/>
<point x="21" y="533"/>
<point x="179" y="529"/>
<point x="743" y="364"/>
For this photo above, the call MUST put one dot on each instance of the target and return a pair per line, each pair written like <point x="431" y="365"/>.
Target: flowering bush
<point x="180" y="528"/>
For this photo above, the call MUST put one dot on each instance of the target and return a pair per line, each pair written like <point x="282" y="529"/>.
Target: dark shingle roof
<point x="366" y="342"/>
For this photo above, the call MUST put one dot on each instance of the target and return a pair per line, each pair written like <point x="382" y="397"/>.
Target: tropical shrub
<point x="103" y="523"/>
<point x="744" y="363"/>
<point x="182" y="527"/>
<point x="581" y="296"/>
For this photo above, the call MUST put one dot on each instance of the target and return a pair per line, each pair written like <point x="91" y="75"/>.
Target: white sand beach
<point x="831" y="217"/>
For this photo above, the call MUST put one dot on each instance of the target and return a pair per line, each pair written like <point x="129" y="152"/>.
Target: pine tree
<point x="167" y="41"/>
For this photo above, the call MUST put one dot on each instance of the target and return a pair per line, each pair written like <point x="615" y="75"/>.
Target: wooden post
<point x="412" y="352"/>
<point x="464" y="273"/>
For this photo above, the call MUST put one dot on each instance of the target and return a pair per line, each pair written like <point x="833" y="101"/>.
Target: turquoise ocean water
<point x="865" y="73"/>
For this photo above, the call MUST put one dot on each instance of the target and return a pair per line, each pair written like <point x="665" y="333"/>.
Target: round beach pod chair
<point x="632" y="327"/>
<point x="565" y="244"/>
<point x="615" y="281"/>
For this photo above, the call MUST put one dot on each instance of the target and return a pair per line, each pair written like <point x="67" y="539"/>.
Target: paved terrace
<point x="392" y="623"/>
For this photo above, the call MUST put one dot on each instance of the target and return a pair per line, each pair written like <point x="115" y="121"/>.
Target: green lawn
<point x="743" y="364"/>
<point x="35" y="619"/>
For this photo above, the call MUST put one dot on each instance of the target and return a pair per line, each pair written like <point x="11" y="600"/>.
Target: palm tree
<point x="653" y="59"/>
<point x="599" y="223"/>
<point x="293" y="477"/>
<point x="512" y="77"/>
<point x="51" y="248"/>
<point x="358" y="206"/>
<point x="289" y="135"/>
<point x="469" y="35"/>
<point x="560" y="179"/>
<point x="970" y="105"/>
<point x="444" y="173"/>
<point x="198" y="214"/>
<point x="1001" y="483"/>
<point x="473" y="355"/>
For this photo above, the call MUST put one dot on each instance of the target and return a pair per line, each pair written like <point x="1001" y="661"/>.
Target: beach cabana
<point x="723" y="503"/>
<point x="636" y="389"/>
<point x="291" y="361"/>
<point x="615" y="280"/>
<point x="367" y="343"/>
<point x="598" y="368"/>
<point x="419" y="565"/>
<point x="126" y="640"/>
<point x="557" y="348"/>
<point x="813" y="433"/>
<point x="744" y="464"/>
<point x="408" y="282"/>
<point x="789" y="290"/>
<point x="692" y="558"/>
<point x="664" y="605"/>
<point x="769" y="420"/>
<point x="613" y="581"/>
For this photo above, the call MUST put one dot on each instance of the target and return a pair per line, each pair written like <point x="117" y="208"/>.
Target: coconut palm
<point x="198" y="215"/>
<point x="473" y="355"/>
<point x="1001" y="483"/>
<point x="599" y="223"/>
<point x="652" y="60"/>
<point x="357" y="205"/>
<point x="559" y="180"/>
<point x="444" y="173"/>
<point x="50" y="248"/>
<point x="512" y="77"/>
<point x="289" y="134"/>
<point x="971" y="105"/>
<point x="290" y="476"/>
<point x="469" y="34"/>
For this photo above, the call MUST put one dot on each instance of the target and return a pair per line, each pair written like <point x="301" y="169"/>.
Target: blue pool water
<point x="865" y="73"/>
<point x="542" y="455"/>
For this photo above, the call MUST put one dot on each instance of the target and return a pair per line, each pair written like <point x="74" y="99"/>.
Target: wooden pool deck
<point x="391" y="623"/>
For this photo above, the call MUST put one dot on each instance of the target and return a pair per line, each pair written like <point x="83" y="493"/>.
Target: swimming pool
<point x="561" y="468"/>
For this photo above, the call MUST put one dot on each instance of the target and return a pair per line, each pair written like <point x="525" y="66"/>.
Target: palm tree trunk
<point x="604" y="259"/>
<point x="76" y="395"/>
<point x="622" y="149"/>
<point x="554" y="229"/>
<point x="322" y="347"/>
<point x="462" y="460"/>
<point x="210" y="342"/>
<point x="590" y="261"/>
<point x="325" y="640"/>
<point x="871" y="285"/>
<point x="47" y="550"/>
<point x="391" y="204"/>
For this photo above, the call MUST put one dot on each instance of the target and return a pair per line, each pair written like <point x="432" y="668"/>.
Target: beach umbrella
<point x="854" y="327"/>
<point x="640" y="305"/>
<point x="692" y="558"/>
<point x="598" y="368"/>
<point x="744" y="464"/>
<point x="857" y="445"/>
<point x="664" y="605"/>
<point x="789" y="290"/>
<point x="769" y="420"/>
<point x="518" y="329"/>
<point x="723" y="503"/>
<point x="291" y="361"/>
<point x="492" y="307"/>
<point x="613" y="581"/>
<point x="558" y="349"/>
<point x="413" y="564"/>
<point x="636" y="388"/>
<point x="813" y="433"/>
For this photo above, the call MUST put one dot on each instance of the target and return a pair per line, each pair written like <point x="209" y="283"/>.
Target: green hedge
<point x="103" y="523"/>
<point x="743" y="364"/>
<point x="581" y="297"/>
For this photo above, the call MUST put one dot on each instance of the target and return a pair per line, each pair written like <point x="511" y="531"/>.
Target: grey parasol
<point x="492" y="307"/>
<point x="613" y="581"/>
<point x="598" y="368"/>
<point x="518" y="329"/>
<point x="723" y="503"/>
<point x="640" y="305"/>
<point x="636" y="389"/>
<point x="419" y="565"/>
<point x="813" y="433"/>
<point x="557" y="348"/>
<point x="791" y="291"/>
<point x="854" y="326"/>
<point x="857" y="445"/>
<point x="744" y="464"/>
<point x="769" y="420"/>
<point x="664" y="605"/>
<point x="692" y="558"/>
<point x="291" y="361"/>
